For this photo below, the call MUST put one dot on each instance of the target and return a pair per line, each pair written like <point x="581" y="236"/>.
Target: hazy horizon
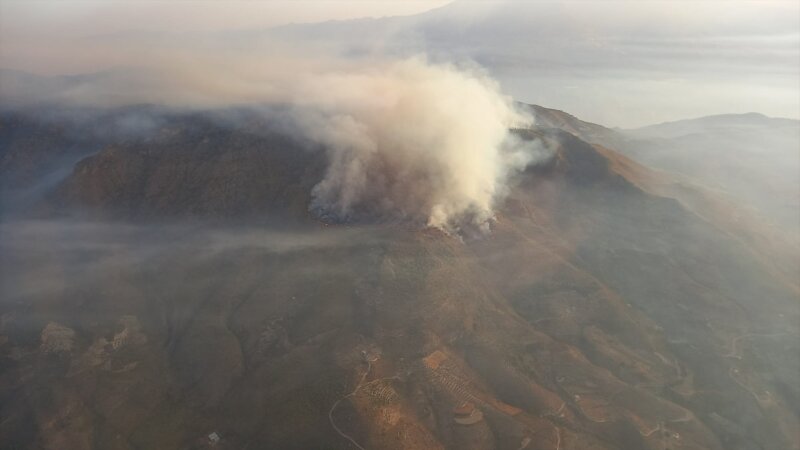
<point x="620" y="64"/>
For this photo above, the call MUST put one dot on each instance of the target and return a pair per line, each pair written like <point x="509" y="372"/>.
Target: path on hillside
<point x="355" y="391"/>
<point x="330" y="412"/>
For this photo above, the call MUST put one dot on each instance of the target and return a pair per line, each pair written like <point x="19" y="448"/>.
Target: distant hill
<point x="717" y="123"/>
<point x="751" y="158"/>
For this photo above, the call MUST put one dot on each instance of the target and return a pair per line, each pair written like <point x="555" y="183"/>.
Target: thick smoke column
<point x="412" y="141"/>
<point x="407" y="140"/>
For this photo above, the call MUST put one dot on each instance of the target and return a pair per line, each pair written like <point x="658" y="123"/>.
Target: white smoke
<point x="412" y="141"/>
<point x="407" y="140"/>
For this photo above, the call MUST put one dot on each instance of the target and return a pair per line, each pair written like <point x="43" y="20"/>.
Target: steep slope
<point x="197" y="168"/>
<point x="774" y="246"/>
<point x="735" y="204"/>
<point x="35" y="156"/>
<point x="39" y="145"/>
<point x="587" y="131"/>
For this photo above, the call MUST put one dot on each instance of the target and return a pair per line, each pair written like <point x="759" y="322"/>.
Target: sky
<point x="33" y="32"/>
<point x="618" y="63"/>
<point x="71" y="17"/>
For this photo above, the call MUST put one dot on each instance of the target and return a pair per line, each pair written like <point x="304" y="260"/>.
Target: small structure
<point x="213" y="438"/>
<point x="467" y="414"/>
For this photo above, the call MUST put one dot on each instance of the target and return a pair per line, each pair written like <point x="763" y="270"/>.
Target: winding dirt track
<point x="330" y="412"/>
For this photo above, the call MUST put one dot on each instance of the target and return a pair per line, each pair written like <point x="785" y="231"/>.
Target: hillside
<point x="601" y="312"/>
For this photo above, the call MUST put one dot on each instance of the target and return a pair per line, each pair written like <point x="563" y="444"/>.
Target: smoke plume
<point x="412" y="141"/>
<point x="406" y="139"/>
